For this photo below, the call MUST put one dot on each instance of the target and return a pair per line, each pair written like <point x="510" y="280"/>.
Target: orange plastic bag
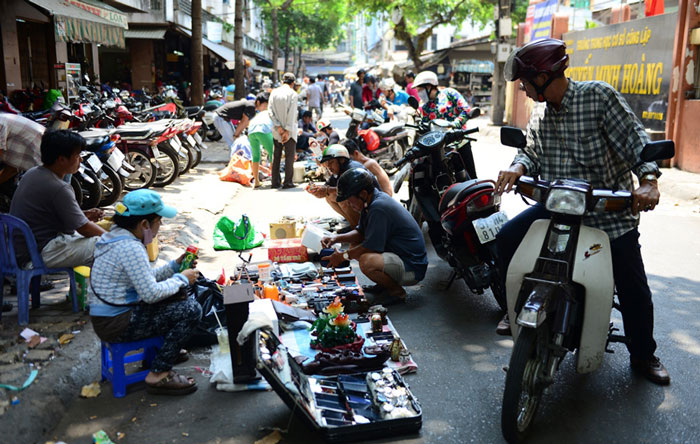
<point x="237" y="170"/>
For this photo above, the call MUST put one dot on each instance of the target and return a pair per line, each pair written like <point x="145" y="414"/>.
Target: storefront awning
<point x="85" y="21"/>
<point x="226" y="54"/>
<point x="145" y="34"/>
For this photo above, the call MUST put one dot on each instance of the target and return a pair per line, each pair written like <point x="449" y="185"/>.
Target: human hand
<point x="327" y="241"/>
<point x="646" y="197"/>
<point x="191" y="274"/>
<point x="319" y="191"/>
<point x="509" y="177"/>
<point x="335" y="259"/>
<point x="94" y="214"/>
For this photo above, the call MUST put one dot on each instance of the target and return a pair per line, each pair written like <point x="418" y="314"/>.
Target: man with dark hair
<point x="241" y="111"/>
<point x="47" y="204"/>
<point x="371" y="165"/>
<point x="356" y="90"/>
<point x="283" y="112"/>
<point x="307" y="130"/>
<point x="314" y="97"/>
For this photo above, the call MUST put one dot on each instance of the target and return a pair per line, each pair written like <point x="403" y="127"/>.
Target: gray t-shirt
<point x="47" y="204"/>
<point x="388" y="227"/>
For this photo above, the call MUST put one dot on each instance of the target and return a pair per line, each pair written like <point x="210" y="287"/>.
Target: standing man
<point x="314" y="97"/>
<point x="586" y="130"/>
<point x="410" y="77"/>
<point x="356" y="90"/>
<point x="283" y="112"/>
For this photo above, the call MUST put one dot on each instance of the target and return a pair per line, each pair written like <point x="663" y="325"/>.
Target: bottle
<point x="190" y="256"/>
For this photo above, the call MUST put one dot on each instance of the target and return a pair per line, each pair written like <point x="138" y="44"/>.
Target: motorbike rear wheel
<point x="111" y="186"/>
<point x="145" y="173"/>
<point x="167" y="165"/>
<point x="523" y="391"/>
<point x="213" y="134"/>
<point x="185" y="165"/>
<point x="77" y="190"/>
<point x="92" y="192"/>
<point x="197" y="157"/>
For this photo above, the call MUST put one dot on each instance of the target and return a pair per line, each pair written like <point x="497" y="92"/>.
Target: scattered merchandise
<point x="91" y="390"/>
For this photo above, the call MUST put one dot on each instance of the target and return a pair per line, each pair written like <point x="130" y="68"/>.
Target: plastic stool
<point x="114" y="357"/>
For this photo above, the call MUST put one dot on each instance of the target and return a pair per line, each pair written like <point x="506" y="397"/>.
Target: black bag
<point x="208" y="294"/>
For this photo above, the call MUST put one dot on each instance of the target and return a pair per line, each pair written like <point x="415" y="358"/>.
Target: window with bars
<point x="156" y="5"/>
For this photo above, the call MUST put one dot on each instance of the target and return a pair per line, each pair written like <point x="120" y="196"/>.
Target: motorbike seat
<point x="194" y="111"/>
<point x="210" y="107"/>
<point x="94" y="144"/>
<point x="135" y="133"/>
<point x="388" y="129"/>
<point x="457" y="192"/>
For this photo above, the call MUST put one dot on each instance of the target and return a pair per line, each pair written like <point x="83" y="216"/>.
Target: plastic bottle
<point x="190" y="256"/>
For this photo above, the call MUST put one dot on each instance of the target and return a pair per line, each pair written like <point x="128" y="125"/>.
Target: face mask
<point x="423" y="95"/>
<point x="147" y="236"/>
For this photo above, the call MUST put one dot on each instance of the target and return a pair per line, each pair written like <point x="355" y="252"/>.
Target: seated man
<point x="47" y="204"/>
<point x="337" y="160"/>
<point x="371" y="165"/>
<point x="326" y="135"/>
<point x="387" y="242"/>
<point x="307" y="130"/>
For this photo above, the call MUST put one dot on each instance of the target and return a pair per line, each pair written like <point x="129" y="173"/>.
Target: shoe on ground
<point x="376" y="288"/>
<point x="503" y="327"/>
<point x="652" y="369"/>
<point x="275" y="186"/>
<point x="288" y="187"/>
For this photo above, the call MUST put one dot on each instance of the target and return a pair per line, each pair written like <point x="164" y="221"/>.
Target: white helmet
<point x="425" y="78"/>
<point x="387" y="84"/>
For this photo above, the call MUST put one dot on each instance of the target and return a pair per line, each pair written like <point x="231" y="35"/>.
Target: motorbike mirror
<point x="474" y="113"/>
<point x="413" y="102"/>
<point x="513" y="137"/>
<point x="86" y="77"/>
<point x="659" y="150"/>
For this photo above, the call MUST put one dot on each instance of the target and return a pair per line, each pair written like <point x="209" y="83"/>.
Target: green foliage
<point x="590" y="24"/>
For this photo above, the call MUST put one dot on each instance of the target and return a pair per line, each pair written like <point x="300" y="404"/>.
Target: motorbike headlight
<point x="566" y="201"/>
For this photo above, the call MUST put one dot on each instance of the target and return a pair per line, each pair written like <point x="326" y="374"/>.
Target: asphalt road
<point x="460" y="377"/>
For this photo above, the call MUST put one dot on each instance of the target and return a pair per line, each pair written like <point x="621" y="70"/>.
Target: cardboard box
<point x="283" y="230"/>
<point x="287" y="250"/>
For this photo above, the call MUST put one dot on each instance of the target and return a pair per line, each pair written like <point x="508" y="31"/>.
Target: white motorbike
<point x="560" y="287"/>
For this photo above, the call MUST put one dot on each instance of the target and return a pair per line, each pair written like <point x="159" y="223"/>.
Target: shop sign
<point x="542" y="19"/>
<point x="634" y="57"/>
<point x="114" y="17"/>
<point x="214" y="31"/>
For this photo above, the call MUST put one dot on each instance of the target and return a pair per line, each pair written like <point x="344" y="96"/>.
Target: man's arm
<point x="90" y="229"/>
<point x="381" y="175"/>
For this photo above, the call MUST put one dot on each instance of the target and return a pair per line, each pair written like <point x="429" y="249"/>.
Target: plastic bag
<point x="237" y="170"/>
<point x="231" y="236"/>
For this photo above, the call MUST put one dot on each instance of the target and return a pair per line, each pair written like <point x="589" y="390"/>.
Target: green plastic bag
<point x="231" y="236"/>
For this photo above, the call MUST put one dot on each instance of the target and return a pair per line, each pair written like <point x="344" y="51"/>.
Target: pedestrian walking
<point x="314" y="97"/>
<point x="283" y="112"/>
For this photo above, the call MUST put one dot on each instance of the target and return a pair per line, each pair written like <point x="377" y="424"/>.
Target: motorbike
<point x="462" y="211"/>
<point x="560" y="287"/>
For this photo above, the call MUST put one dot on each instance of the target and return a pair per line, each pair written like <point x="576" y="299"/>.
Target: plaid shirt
<point x="20" y="141"/>
<point x="594" y="136"/>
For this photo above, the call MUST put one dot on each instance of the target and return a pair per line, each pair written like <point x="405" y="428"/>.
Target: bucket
<point x="311" y="237"/>
<point x="299" y="172"/>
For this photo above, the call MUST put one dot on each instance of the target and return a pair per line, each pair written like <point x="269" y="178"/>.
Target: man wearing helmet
<point x="326" y="135"/>
<point x="391" y="94"/>
<point x="447" y="104"/>
<point x="586" y="130"/>
<point x="337" y="160"/>
<point x="387" y="242"/>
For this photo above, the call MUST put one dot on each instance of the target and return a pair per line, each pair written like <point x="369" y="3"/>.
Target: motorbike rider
<point x="391" y="95"/>
<point x="586" y="130"/>
<point x="337" y="160"/>
<point x="445" y="104"/>
<point x="387" y="243"/>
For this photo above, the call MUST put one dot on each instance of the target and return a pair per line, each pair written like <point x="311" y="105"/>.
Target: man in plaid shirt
<point x="586" y="130"/>
<point x="20" y="139"/>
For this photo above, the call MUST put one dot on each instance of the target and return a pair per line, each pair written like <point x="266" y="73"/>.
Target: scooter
<point x="560" y="287"/>
<point x="462" y="211"/>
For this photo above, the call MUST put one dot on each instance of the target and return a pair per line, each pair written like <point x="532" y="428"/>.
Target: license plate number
<point x="94" y="162"/>
<point x="488" y="227"/>
<point x="115" y="159"/>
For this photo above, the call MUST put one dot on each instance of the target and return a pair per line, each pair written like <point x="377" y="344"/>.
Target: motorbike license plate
<point x="115" y="160"/>
<point x="197" y="137"/>
<point x="174" y="143"/>
<point x="488" y="227"/>
<point x="94" y="162"/>
<point x="191" y="140"/>
<point x="156" y="153"/>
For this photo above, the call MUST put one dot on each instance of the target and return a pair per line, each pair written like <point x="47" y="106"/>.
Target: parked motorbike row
<point x="130" y="146"/>
<point x="559" y="291"/>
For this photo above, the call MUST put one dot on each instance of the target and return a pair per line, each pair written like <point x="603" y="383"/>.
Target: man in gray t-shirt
<point x="47" y="204"/>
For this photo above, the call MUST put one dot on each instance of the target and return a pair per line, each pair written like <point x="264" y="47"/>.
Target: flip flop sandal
<point x="172" y="385"/>
<point x="183" y="356"/>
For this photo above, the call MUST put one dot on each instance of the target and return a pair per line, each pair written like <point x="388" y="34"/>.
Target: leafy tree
<point x="413" y="21"/>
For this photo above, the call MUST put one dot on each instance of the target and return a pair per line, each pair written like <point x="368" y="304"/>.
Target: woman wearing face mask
<point x="447" y="104"/>
<point x="131" y="301"/>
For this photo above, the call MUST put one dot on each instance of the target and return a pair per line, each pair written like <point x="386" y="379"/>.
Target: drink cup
<point x="222" y="336"/>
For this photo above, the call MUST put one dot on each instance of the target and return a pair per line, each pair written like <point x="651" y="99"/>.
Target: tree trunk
<point x="286" y="49"/>
<point x="197" y="88"/>
<point x="414" y="51"/>
<point x="275" y="42"/>
<point x="238" y="50"/>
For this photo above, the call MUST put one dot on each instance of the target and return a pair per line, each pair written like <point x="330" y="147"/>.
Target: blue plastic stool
<point x="114" y="357"/>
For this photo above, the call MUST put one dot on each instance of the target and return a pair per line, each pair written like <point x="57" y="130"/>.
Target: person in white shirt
<point x="283" y="112"/>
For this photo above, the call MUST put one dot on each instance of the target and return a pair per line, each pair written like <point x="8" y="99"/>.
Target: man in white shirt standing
<point x="283" y="112"/>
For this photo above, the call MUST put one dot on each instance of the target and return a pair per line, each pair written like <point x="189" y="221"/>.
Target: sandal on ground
<point x="183" y="356"/>
<point x="387" y="299"/>
<point x="173" y="385"/>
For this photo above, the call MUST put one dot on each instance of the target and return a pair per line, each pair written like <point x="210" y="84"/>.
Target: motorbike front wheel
<point x="167" y="165"/>
<point x="92" y="192"/>
<point x="145" y="173"/>
<point x="111" y="186"/>
<point x="523" y="390"/>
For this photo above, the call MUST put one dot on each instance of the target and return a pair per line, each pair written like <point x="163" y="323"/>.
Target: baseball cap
<point x="143" y="202"/>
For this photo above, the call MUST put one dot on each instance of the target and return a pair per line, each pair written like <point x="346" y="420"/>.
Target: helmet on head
<point x="542" y="56"/>
<point x="425" y="78"/>
<point x="323" y="124"/>
<point x="352" y="182"/>
<point x="335" y="151"/>
<point x="387" y="84"/>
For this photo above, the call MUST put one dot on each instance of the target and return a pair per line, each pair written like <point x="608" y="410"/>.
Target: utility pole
<point x="503" y="32"/>
<point x="197" y="88"/>
<point x="239" y="69"/>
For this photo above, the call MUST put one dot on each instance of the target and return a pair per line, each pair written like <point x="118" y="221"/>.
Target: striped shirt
<point x="594" y="136"/>
<point x="20" y="141"/>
